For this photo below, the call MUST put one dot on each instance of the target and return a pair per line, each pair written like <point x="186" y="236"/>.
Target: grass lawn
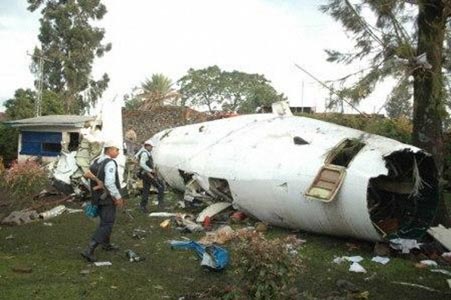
<point x="58" y="271"/>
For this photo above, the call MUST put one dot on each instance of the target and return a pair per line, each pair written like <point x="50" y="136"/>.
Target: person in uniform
<point x="107" y="199"/>
<point x="149" y="176"/>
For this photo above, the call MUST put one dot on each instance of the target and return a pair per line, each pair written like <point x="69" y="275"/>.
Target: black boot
<point x="107" y="246"/>
<point x="88" y="253"/>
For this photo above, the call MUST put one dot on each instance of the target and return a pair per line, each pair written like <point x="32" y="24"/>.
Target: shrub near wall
<point x="23" y="181"/>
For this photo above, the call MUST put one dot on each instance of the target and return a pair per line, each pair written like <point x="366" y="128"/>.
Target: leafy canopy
<point x="232" y="91"/>
<point x="70" y="43"/>
<point x="385" y="35"/>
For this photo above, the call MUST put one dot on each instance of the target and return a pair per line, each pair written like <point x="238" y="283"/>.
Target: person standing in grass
<point x="149" y="176"/>
<point x="107" y="199"/>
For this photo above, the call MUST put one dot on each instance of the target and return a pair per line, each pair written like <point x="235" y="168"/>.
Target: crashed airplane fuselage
<point x="304" y="174"/>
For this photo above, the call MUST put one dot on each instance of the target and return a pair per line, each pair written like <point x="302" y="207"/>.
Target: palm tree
<point x="157" y="92"/>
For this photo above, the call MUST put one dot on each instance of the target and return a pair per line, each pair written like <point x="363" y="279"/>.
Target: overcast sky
<point x="170" y="36"/>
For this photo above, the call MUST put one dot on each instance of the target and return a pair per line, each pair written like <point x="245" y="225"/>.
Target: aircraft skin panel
<point x="268" y="173"/>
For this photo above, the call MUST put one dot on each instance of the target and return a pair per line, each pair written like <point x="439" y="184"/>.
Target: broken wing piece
<point x="253" y="161"/>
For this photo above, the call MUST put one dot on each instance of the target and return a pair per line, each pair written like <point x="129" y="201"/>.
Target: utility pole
<point x="41" y="58"/>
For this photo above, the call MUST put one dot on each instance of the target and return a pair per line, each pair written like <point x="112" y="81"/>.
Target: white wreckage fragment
<point x="304" y="174"/>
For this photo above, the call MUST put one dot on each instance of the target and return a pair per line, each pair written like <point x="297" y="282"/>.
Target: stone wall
<point x="147" y="123"/>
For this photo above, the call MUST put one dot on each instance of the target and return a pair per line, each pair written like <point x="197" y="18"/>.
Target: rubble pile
<point x="147" y="123"/>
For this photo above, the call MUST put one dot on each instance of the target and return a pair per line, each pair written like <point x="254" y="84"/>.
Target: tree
<point x="406" y="40"/>
<point x="233" y="91"/>
<point x="246" y="92"/>
<point x="202" y="87"/>
<point x="399" y="104"/>
<point x="70" y="43"/>
<point x="22" y="106"/>
<point x="157" y="91"/>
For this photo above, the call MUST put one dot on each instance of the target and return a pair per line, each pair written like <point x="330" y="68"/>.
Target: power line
<point x="330" y="90"/>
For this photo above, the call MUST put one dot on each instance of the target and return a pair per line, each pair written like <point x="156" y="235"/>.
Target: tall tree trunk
<point x="429" y="99"/>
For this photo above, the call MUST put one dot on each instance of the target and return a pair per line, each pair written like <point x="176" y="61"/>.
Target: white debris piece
<point x="102" y="263"/>
<point x="429" y="263"/>
<point x="442" y="235"/>
<point x="441" y="271"/>
<point x="212" y="210"/>
<point x="357" y="268"/>
<point x="162" y="214"/>
<point x="404" y="245"/>
<point x="354" y="259"/>
<point x="339" y="260"/>
<point x="381" y="259"/>
<point x="56" y="211"/>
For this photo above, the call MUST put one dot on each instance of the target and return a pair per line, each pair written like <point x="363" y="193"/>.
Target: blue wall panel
<point x="32" y="142"/>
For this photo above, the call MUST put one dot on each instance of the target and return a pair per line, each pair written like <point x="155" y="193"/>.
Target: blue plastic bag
<point x="91" y="210"/>
<point x="213" y="257"/>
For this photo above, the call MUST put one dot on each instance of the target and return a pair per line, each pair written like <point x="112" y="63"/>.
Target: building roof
<point x="52" y="120"/>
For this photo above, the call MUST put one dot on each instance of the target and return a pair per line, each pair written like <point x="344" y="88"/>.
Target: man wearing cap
<point x="105" y="169"/>
<point x="149" y="176"/>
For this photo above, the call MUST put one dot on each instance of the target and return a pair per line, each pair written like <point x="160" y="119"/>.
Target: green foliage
<point x="399" y="129"/>
<point x="398" y="104"/>
<point x="24" y="180"/>
<point x="384" y="35"/>
<point x="22" y="106"/>
<point x="232" y="91"/>
<point x="202" y="87"/>
<point x="70" y="44"/>
<point x="8" y="143"/>
<point x="267" y="266"/>
<point x="157" y="91"/>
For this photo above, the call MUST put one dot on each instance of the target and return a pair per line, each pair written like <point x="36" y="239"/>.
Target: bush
<point x="8" y="143"/>
<point x="22" y="181"/>
<point x="268" y="267"/>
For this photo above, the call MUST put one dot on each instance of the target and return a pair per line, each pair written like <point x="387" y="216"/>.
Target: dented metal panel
<point x="259" y="163"/>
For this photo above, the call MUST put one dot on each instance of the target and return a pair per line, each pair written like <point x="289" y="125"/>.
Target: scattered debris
<point x="212" y="257"/>
<point x="442" y="235"/>
<point x="102" y="263"/>
<point x="186" y="222"/>
<point x="162" y="214"/>
<point x="449" y="282"/>
<point x="441" y="271"/>
<point x="404" y="245"/>
<point x="139" y="234"/>
<point x="132" y="256"/>
<point x="357" y="268"/>
<point x="212" y="210"/>
<point x="429" y="263"/>
<point x="9" y="237"/>
<point x="56" y="211"/>
<point x="48" y="224"/>
<point x="416" y="285"/>
<point x="166" y="224"/>
<point x="220" y="236"/>
<point x="73" y="210"/>
<point x="20" y="217"/>
<point x="381" y="259"/>
<point x="238" y="216"/>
